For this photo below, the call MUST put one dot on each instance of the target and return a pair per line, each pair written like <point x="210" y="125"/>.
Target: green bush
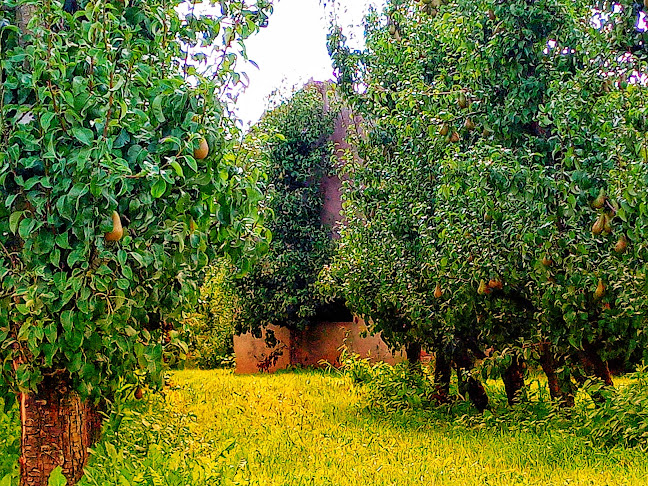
<point x="147" y="442"/>
<point x="9" y="443"/>
<point x="623" y="418"/>
<point x="209" y="330"/>
<point x="399" y="387"/>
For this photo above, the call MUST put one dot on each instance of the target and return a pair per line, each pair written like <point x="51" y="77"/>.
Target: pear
<point x="438" y="292"/>
<point x="597" y="227"/>
<point x="469" y="124"/>
<point x="463" y="101"/>
<point x="621" y="245"/>
<point x="599" y="202"/>
<point x="607" y="224"/>
<point x="444" y="130"/>
<point x="202" y="151"/>
<point x="117" y="231"/>
<point x="643" y="153"/>
<point x="600" y="290"/>
<point x="495" y="283"/>
<point x="454" y="138"/>
<point x="491" y="14"/>
<point x="645" y="3"/>
<point x="546" y="261"/>
<point x="139" y="393"/>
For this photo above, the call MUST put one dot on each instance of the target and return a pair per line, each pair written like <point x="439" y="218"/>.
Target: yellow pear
<point x="597" y="227"/>
<point x="600" y="289"/>
<point x="117" y="231"/>
<point x="469" y="124"/>
<point x="621" y="244"/>
<point x="444" y="130"/>
<point x="495" y="283"/>
<point x="463" y="101"/>
<point x="599" y="201"/>
<point x="546" y="261"/>
<point x="202" y="151"/>
<point x="607" y="224"/>
<point x="438" y="292"/>
<point x="454" y="138"/>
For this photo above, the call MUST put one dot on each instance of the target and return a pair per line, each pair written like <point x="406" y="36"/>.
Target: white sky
<point x="292" y="49"/>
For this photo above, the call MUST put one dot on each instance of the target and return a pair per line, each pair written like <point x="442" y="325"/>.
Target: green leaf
<point x="46" y="120"/>
<point x="14" y="219"/>
<point x="157" y="190"/>
<point x="83" y="135"/>
<point x="177" y="168"/>
<point x="156" y="106"/>
<point x="66" y="320"/>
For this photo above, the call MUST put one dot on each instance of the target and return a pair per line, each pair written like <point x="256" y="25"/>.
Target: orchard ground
<point x="314" y="428"/>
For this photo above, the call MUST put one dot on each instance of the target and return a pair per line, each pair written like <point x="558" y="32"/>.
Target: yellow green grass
<point x="212" y="428"/>
<point x="311" y="429"/>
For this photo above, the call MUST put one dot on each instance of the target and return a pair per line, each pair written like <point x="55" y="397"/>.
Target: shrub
<point x="209" y="330"/>
<point x="623" y="418"/>
<point x="9" y="443"/>
<point x="146" y="442"/>
<point x="399" y="387"/>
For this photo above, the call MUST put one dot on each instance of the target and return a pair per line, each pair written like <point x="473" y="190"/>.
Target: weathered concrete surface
<point x="253" y="355"/>
<point x="319" y="344"/>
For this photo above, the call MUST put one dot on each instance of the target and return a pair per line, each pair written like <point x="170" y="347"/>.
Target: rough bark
<point x="561" y="389"/>
<point x="464" y="359"/>
<point x="594" y="367"/>
<point x="57" y="429"/>
<point x="24" y="14"/>
<point x="477" y="393"/>
<point x="442" y="375"/>
<point x="413" y="351"/>
<point x="513" y="378"/>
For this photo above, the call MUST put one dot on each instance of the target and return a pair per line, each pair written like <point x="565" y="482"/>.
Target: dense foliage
<point x="500" y="201"/>
<point x="105" y="111"/>
<point x="208" y="330"/>
<point x="294" y="137"/>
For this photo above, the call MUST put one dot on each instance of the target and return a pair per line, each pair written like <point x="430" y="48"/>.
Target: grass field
<point x="312" y="428"/>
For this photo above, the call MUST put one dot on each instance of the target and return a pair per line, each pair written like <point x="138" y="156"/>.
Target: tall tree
<point x="296" y="140"/>
<point x="498" y="202"/>
<point x="118" y="184"/>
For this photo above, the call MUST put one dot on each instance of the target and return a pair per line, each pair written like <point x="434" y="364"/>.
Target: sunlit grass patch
<point x="312" y="428"/>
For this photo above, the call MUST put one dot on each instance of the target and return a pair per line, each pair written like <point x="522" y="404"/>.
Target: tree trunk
<point x="561" y="390"/>
<point x="442" y="375"/>
<point x="513" y="378"/>
<point x="57" y="429"/>
<point x="477" y="393"/>
<point x="594" y="367"/>
<point x="597" y="367"/>
<point x="413" y="351"/>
